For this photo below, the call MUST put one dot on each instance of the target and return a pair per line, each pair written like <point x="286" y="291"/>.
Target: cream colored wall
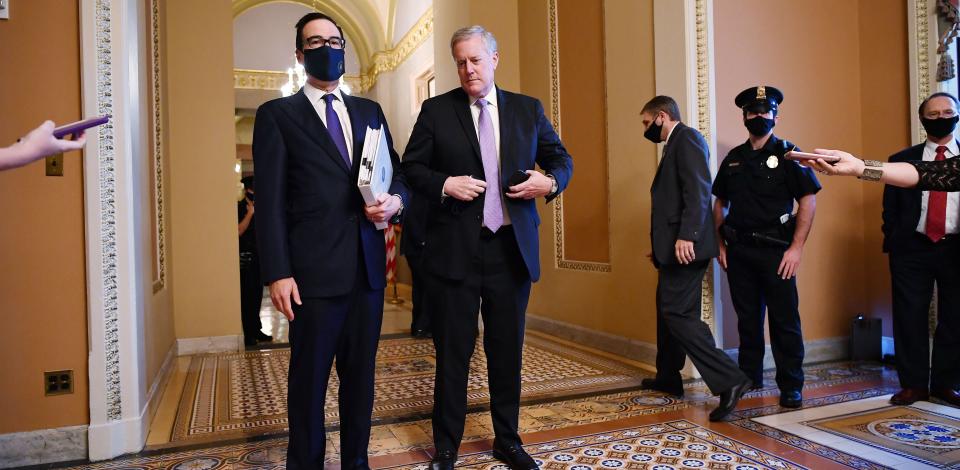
<point x="885" y="105"/>
<point x="158" y="327"/>
<point x="43" y="281"/>
<point x="206" y="300"/>
<point x="620" y="302"/>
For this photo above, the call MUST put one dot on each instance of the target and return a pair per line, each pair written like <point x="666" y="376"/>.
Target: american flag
<point x="391" y="239"/>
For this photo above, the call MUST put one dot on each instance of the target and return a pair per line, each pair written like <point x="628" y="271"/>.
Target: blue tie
<point x="335" y="129"/>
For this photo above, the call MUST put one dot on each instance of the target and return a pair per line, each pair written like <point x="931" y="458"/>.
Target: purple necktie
<point x="335" y="129"/>
<point x="492" y="206"/>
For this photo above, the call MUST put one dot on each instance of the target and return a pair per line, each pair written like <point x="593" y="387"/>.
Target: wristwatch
<point x="399" y="215"/>
<point x="872" y="170"/>
<point x="553" y="187"/>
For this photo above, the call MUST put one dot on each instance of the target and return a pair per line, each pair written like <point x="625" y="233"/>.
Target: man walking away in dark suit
<point x="320" y="252"/>
<point x="684" y="241"/>
<point x="467" y="152"/>
<point x="411" y="247"/>
<point x="921" y="232"/>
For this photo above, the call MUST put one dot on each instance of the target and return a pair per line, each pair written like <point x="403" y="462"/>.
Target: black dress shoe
<point x="729" y="399"/>
<point x="443" y="460"/>
<point x="422" y="334"/>
<point x="515" y="457"/>
<point x="791" y="398"/>
<point x="248" y="341"/>
<point x="263" y="337"/>
<point x="653" y="384"/>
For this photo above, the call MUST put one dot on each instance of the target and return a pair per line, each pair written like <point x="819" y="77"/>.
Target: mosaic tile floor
<point x="232" y="395"/>
<point x="670" y="445"/>
<point x="594" y="432"/>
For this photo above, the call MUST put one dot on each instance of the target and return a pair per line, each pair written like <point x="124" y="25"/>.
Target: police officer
<point x="762" y="240"/>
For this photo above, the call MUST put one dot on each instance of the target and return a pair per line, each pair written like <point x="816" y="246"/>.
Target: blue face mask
<point x="324" y="63"/>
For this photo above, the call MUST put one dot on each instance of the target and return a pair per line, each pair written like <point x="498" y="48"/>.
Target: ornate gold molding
<point x="155" y="64"/>
<point x="922" y="22"/>
<point x="246" y="79"/>
<point x="558" y="233"/>
<point x="704" y="102"/>
<point x="271" y="80"/>
<point x="381" y="62"/>
<point x="388" y="61"/>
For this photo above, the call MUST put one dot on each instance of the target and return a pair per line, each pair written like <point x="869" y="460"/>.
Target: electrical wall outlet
<point x="58" y="382"/>
<point x="4" y="9"/>
<point x="55" y="165"/>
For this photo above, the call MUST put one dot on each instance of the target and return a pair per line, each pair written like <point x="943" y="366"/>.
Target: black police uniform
<point x="761" y="187"/>
<point x="251" y="287"/>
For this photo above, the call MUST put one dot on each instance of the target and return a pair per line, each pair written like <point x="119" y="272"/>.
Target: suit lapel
<point x="666" y="152"/>
<point x="508" y="165"/>
<point x="305" y="115"/>
<point x="461" y="105"/>
<point x="359" y="128"/>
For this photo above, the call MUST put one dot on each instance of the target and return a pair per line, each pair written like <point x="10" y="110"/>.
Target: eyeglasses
<point x="314" y="42"/>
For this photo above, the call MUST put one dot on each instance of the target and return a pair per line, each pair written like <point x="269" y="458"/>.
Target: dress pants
<point x="914" y="271"/>
<point x="498" y="287"/>
<point x="421" y="319"/>
<point x="680" y="331"/>
<point x="756" y="287"/>
<point x="251" y="297"/>
<point x="346" y="328"/>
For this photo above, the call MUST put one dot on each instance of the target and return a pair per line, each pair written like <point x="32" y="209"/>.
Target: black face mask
<point x="940" y="127"/>
<point x="653" y="132"/>
<point x="323" y="63"/>
<point x="250" y="196"/>
<point x="759" y="126"/>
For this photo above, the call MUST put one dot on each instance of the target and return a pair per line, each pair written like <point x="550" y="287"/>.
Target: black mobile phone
<point x="515" y="179"/>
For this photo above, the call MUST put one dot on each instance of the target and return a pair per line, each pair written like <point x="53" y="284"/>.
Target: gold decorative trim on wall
<point x="558" y="233"/>
<point x="160" y="274"/>
<point x="381" y="62"/>
<point x="922" y="18"/>
<point x="271" y="80"/>
<point x="388" y="61"/>
<point x="704" y="102"/>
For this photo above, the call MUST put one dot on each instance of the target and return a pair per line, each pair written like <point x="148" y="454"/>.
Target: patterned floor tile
<point x="665" y="446"/>
<point x="232" y="395"/>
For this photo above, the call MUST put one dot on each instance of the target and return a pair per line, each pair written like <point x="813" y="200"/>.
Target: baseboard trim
<point x="818" y="350"/>
<point x="620" y="345"/>
<point x="156" y="391"/>
<point x="209" y="344"/>
<point x="44" y="446"/>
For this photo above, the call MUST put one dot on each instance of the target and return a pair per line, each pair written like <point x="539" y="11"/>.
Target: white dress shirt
<point x="315" y="95"/>
<point x="953" y="198"/>
<point x="493" y="110"/>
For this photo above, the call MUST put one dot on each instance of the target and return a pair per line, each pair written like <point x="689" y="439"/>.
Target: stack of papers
<point x="376" y="168"/>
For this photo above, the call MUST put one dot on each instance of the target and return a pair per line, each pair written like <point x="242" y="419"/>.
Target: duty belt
<point x="769" y="237"/>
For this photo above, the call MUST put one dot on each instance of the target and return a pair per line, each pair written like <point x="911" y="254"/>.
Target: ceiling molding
<point x="354" y="23"/>
<point x="381" y="62"/>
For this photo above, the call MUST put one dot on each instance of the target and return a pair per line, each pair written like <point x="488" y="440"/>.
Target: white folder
<point x="376" y="168"/>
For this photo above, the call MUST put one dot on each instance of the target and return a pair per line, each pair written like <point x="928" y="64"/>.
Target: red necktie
<point x="937" y="207"/>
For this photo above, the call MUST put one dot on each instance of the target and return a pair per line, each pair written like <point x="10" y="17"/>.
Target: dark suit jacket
<point x="444" y="143"/>
<point x="413" y="238"/>
<point x="310" y="219"/>
<point x="901" y="207"/>
<point x="680" y="198"/>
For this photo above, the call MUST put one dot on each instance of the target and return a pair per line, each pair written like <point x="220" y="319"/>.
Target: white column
<point x="111" y="41"/>
<point x="683" y="53"/>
